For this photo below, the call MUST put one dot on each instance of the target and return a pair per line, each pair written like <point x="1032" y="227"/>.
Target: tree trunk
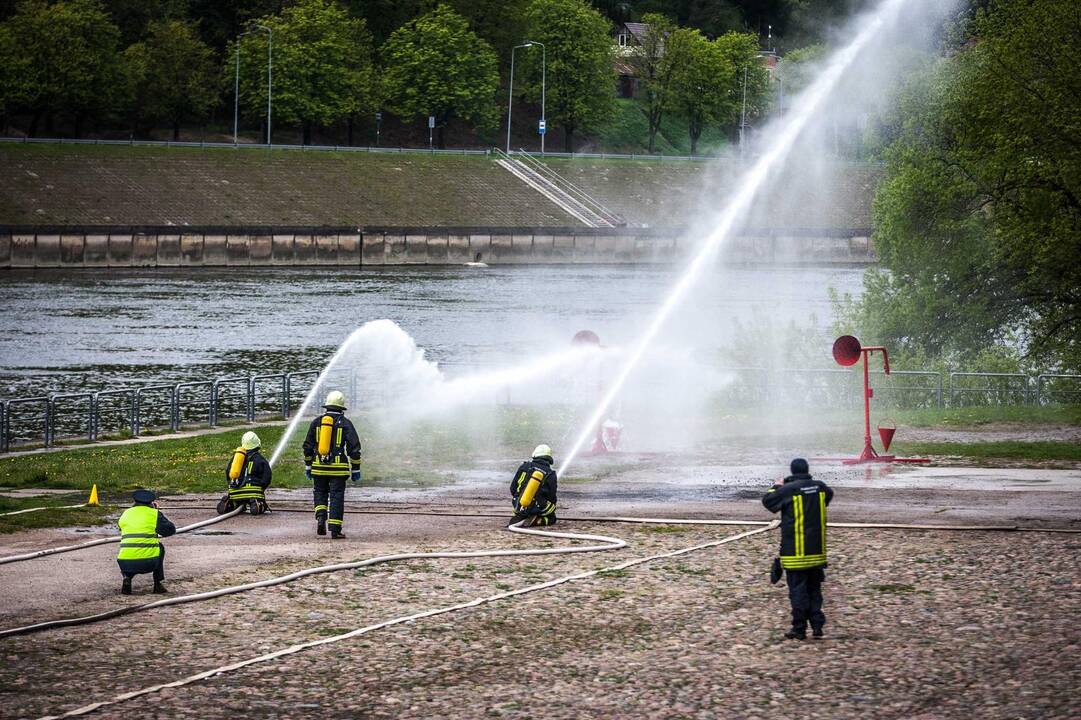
<point x="349" y="131"/>
<point x="568" y="138"/>
<point x="49" y="124"/>
<point x="695" y="131"/>
<point x="176" y="130"/>
<point x="78" y="130"/>
<point x="441" y="140"/>
<point x="35" y="120"/>
<point x="652" y="140"/>
<point x="307" y="132"/>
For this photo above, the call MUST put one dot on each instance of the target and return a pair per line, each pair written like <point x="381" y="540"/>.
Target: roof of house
<point x="636" y="29"/>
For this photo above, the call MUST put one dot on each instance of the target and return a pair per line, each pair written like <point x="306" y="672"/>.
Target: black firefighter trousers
<point x="332" y="489"/>
<point x="805" y="594"/>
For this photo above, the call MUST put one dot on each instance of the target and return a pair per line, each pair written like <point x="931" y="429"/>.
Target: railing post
<point x="3" y="426"/>
<point x="95" y="412"/>
<point x="48" y="421"/>
<point x="285" y="397"/>
<point x="938" y="391"/>
<point x="251" y="400"/>
<point x="214" y="403"/>
<point x="174" y="409"/>
<point x="285" y="394"/>
<point x="136" y="425"/>
<point x="953" y="390"/>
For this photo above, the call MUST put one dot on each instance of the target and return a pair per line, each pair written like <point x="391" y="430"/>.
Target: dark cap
<point x="799" y="466"/>
<point x="144" y="497"/>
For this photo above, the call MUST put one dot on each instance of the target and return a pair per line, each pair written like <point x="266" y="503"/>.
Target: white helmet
<point x="250" y="441"/>
<point x="335" y="399"/>
<point x="542" y="451"/>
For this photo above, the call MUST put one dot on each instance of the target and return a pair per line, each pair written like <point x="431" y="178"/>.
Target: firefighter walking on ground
<point x="802" y="502"/>
<point x="140" y="550"/>
<point x="533" y="489"/>
<point x="331" y="456"/>
<point x="247" y="476"/>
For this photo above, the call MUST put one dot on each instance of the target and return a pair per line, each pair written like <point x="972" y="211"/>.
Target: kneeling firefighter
<point x="533" y="489"/>
<point x="140" y="550"/>
<point x="248" y="476"/>
<point x="331" y="456"/>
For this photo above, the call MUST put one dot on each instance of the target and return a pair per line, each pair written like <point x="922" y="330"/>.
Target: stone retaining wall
<point x="173" y="247"/>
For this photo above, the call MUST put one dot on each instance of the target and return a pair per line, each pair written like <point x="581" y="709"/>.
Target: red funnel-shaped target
<point x="886" y="429"/>
<point x="846" y="350"/>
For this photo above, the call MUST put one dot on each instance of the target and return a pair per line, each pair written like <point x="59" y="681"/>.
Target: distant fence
<point x="47" y="419"/>
<point x="350" y="148"/>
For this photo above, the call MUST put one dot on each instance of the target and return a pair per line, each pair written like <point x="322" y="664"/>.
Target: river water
<point x="65" y="331"/>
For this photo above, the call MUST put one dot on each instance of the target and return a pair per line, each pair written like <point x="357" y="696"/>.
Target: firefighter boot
<point x="159" y="589"/>
<point x="816" y="631"/>
<point x="125" y="587"/>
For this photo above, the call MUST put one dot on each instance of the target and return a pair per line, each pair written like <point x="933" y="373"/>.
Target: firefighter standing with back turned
<point x="331" y="456"/>
<point x="802" y="502"/>
<point x="533" y="489"/>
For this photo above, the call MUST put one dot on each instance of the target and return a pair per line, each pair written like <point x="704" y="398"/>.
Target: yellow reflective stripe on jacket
<point x="822" y="519"/>
<point x="797" y="508"/>
<point x="804" y="562"/>
<point x="138" y="534"/>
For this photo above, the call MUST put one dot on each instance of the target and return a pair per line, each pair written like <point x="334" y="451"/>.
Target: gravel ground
<point x="923" y="624"/>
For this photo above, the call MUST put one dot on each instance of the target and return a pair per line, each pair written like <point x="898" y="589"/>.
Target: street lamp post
<point x="544" y="73"/>
<point x="269" y="80"/>
<point x="510" y="92"/>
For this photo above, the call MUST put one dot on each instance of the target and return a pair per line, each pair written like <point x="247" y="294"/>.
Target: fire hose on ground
<point x="609" y="543"/>
<point x="106" y="541"/>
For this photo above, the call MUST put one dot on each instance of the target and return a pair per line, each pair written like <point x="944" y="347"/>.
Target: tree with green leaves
<point x="67" y="61"/>
<point x="740" y="50"/>
<point x="173" y="74"/>
<point x="580" y="78"/>
<point x="322" y="63"/>
<point x="978" y="220"/>
<point x="436" y="66"/>
<point x="658" y="57"/>
<point x="702" y="94"/>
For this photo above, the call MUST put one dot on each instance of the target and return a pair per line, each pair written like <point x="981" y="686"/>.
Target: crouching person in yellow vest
<point x="802" y="502"/>
<point x="248" y="475"/>
<point x="331" y="456"/>
<point x="533" y="489"/>
<point x="140" y="550"/>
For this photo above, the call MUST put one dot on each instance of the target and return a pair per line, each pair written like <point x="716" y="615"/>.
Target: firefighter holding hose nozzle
<point x="533" y="489"/>
<point x="331" y="456"/>
<point x="248" y="475"/>
<point x="802" y="502"/>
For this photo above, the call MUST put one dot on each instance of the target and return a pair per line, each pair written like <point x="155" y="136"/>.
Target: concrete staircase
<point x="565" y="195"/>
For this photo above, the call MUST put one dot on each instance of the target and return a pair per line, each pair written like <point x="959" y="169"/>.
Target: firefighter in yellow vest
<point x="802" y="502"/>
<point x="331" y="456"/>
<point x="140" y="550"/>
<point x="247" y="476"/>
<point x="533" y="489"/>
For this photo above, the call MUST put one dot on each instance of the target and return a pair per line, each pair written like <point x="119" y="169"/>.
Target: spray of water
<point x="810" y="103"/>
<point x="394" y="367"/>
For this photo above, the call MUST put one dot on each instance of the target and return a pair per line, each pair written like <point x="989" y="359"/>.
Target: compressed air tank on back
<point x="326" y="432"/>
<point x="237" y="465"/>
<point x="531" y="489"/>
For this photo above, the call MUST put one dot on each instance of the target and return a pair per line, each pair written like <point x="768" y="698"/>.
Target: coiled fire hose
<point x="610" y="543"/>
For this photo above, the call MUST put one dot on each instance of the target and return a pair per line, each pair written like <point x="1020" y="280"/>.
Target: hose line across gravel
<point x="607" y="543"/>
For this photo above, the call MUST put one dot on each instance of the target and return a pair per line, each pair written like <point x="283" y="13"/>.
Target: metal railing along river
<point x="45" y="420"/>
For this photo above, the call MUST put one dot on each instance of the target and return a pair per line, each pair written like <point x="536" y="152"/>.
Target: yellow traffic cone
<point x="93" y="496"/>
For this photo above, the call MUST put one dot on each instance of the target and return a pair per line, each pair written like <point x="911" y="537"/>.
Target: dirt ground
<point x="928" y="624"/>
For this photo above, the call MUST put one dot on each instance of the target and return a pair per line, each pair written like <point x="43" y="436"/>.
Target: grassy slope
<point x="134" y="185"/>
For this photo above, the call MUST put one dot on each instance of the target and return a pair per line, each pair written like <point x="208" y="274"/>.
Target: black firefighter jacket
<point x="802" y="502"/>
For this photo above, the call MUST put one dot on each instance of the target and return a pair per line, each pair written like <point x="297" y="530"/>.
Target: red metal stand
<point x="847" y="351"/>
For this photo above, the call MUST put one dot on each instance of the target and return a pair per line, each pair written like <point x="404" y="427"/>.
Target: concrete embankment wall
<point x="365" y="247"/>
